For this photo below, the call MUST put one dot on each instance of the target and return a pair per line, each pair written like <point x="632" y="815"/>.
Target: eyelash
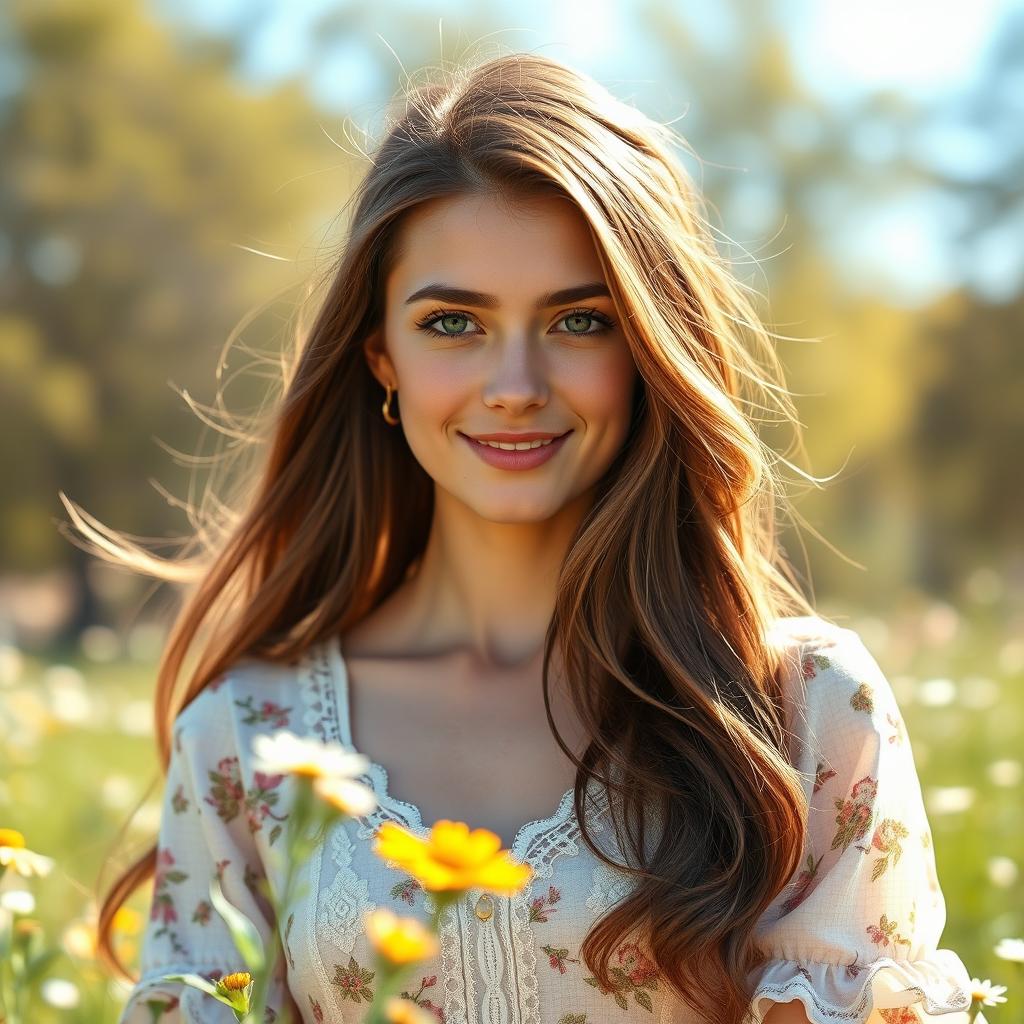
<point x="437" y="314"/>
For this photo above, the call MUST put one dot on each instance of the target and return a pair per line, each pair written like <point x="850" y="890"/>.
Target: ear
<point x="378" y="360"/>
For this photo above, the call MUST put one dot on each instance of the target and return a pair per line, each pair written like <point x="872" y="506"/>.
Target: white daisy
<point x="987" y="993"/>
<point x="14" y="853"/>
<point x="18" y="901"/>
<point x="284" y="753"/>
<point x="60" y="992"/>
<point x="347" y="795"/>
<point x="1011" y="949"/>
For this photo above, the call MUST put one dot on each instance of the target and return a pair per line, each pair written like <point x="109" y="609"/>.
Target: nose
<point x="517" y="378"/>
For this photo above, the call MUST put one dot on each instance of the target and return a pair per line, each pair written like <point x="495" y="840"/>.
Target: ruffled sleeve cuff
<point x="885" y="991"/>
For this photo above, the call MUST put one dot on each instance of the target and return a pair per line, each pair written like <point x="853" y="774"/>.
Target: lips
<point x="516" y="459"/>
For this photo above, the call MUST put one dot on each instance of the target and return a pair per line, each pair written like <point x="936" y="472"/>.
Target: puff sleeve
<point x="206" y="829"/>
<point x="854" y="934"/>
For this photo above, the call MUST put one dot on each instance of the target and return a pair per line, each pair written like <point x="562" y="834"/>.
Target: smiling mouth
<point x="521" y="446"/>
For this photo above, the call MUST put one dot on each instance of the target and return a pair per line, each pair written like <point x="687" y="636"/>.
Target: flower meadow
<point x="77" y="762"/>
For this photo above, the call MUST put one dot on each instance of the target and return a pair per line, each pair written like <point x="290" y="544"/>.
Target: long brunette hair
<point x="673" y="577"/>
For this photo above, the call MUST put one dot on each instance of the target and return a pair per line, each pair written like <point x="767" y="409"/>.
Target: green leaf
<point x="195" y="981"/>
<point x="243" y="931"/>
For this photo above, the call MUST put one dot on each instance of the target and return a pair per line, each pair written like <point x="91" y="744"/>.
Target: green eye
<point x="449" y="318"/>
<point x="445" y="316"/>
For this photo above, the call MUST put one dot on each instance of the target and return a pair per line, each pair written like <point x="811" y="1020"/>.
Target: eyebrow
<point x="468" y="297"/>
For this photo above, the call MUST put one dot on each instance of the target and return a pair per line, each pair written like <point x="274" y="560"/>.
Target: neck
<point x="485" y="589"/>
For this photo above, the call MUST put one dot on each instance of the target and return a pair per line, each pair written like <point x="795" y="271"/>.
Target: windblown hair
<point x="673" y="577"/>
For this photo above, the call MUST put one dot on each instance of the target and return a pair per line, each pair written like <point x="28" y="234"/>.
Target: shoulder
<point x="820" y="652"/>
<point x="256" y="695"/>
<point x="836" y="692"/>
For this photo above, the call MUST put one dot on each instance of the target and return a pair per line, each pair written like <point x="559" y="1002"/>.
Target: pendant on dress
<point x="484" y="907"/>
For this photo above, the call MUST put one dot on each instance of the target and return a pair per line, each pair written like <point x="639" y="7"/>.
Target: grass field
<point x="77" y="757"/>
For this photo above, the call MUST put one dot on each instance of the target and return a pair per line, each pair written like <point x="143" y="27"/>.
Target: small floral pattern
<point x="201" y="915"/>
<point x="161" y="1005"/>
<point x="900" y="1015"/>
<point x="166" y="875"/>
<point x="804" y="884"/>
<point x="887" y="839"/>
<point x="558" y="958"/>
<point x="635" y="974"/>
<point x="406" y="890"/>
<point x="422" y="1001"/>
<point x="822" y="776"/>
<point x="268" y="712"/>
<point x="854" y="817"/>
<point x="542" y="906"/>
<point x="899" y="732"/>
<point x="229" y="796"/>
<point x="863" y="699"/>
<point x="180" y="802"/>
<point x="353" y="981"/>
<point x="885" y="932"/>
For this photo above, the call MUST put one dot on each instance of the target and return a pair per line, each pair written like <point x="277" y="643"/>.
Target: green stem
<point x="300" y="846"/>
<point x="391" y="975"/>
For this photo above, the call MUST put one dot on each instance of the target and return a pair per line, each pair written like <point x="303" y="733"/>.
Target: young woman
<point x="514" y="540"/>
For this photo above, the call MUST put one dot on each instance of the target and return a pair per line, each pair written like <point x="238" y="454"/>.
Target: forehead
<point x="507" y="246"/>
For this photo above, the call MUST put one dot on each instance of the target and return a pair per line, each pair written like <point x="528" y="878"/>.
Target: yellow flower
<point x="80" y="937"/>
<point x="402" y="940"/>
<point x="453" y="858"/>
<point x="13" y="852"/>
<point x="127" y="921"/>
<point x="284" y="753"/>
<point x="347" y="795"/>
<point x="405" y="1011"/>
<point x="235" y="990"/>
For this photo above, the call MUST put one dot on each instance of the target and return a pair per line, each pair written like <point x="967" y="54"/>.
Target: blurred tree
<point x="132" y="167"/>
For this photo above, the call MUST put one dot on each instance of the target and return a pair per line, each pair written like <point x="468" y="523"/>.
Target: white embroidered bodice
<point x="849" y="939"/>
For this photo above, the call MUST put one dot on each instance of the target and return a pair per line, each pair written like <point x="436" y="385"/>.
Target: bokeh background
<point x="167" y="166"/>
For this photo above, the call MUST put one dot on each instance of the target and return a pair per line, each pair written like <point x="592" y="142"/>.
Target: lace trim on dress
<point x="346" y="899"/>
<point x="831" y="992"/>
<point x="608" y="887"/>
<point x="320" y="716"/>
<point x="537" y="843"/>
<point x="540" y="847"/>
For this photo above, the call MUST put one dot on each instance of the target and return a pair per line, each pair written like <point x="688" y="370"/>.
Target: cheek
<point x="602" y="390"/>
<point x="433" y="390"/>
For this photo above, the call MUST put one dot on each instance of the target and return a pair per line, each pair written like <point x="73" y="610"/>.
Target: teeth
<point x="519" y="446"/>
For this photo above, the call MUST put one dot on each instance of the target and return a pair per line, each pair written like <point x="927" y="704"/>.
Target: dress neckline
<point x="409" y="814"/>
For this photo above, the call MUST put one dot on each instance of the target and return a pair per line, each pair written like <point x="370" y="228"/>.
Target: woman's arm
<point x="787" y="1013"/>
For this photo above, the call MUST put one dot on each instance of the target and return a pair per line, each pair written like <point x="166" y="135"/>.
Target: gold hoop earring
<point x="393" y="420"/>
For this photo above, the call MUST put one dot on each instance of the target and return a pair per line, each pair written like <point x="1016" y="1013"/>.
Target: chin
<point x="514" y="516"/>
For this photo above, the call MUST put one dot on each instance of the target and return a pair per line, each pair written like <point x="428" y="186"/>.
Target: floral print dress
<point x="853" y="936"/>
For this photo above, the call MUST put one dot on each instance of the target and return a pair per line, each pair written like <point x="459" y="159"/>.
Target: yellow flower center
<point x="11" y="837"/>
<point x="233" y="982"/>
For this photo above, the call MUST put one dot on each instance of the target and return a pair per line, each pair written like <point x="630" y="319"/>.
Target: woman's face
<point x="513" y="357"/>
